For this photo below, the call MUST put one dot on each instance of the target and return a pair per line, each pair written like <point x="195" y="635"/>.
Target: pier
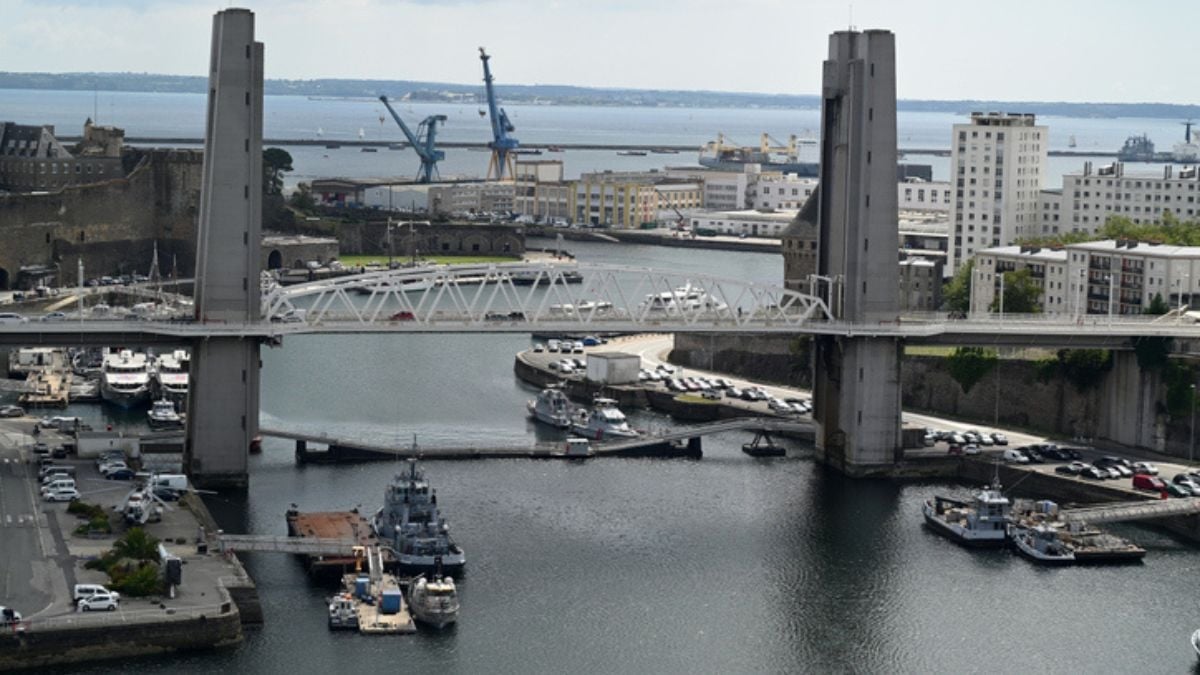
<point x="683" y="441"/>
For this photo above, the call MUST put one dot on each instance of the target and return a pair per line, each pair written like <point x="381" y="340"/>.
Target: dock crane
<point x="502" y="145"/>
<point x="423" y="141"/>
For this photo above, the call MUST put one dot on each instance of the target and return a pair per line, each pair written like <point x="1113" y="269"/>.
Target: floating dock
<point x="46" y="389"/>
<point x="328" y="526"/>
<point x="386" y="612"/>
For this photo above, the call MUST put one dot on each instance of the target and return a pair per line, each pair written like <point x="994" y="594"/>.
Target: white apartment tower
<point x="996" y="165"/>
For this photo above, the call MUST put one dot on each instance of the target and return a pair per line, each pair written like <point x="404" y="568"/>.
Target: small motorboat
<point x="342" y="613"/>
<point x="433" y="602"/>
<point x="1040" y="544"/>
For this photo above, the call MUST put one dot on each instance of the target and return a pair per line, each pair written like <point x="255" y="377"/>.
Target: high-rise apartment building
<point x="996" y="165"/>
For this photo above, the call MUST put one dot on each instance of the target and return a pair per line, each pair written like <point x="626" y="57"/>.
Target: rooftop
<point x="1028" y="252"/>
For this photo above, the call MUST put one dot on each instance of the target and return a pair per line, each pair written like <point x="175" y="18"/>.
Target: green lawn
<point x="356" y="260"/>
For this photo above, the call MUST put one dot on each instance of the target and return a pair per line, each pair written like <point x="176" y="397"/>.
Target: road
<point x="24" y="582"/>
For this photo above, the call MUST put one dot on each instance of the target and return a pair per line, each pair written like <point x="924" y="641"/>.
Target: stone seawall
<point x="112" y="225"/>
<point x="42" y="646"/>
<point x="775" y="359"/>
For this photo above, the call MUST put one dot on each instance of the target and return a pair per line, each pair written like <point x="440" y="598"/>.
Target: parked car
<point x="64" y="494"/>
<point x="999" y="438"/>
<point x="1093" y="472"/>
<point x="971" y="449"/>
<point x="1174" y="490"/>
<point x="81" y="591"/>
<point x="100" y="601"/>
<point x="9" y="616"/>
<point x="1031" y="454"/>
<point x="120" y="474"/>
<point x="110" y="467"/>
<point x="10" y="318"/>
<point x="1014" y="456"/>
<point x="1146" y="468"/>
<point x="711" y="394"/>
<point x="1187" y="482"/>
<point x="12" y="411"/>
<point x="1072" y="469"/>
<point x="539" y="347"/>
<point x="733" y="392"/>
<point x="1149" y="483"/>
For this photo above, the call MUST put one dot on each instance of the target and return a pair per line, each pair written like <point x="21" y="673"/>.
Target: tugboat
<point x="981" y="523"/>
<point x="1040" y="544"/>
<point x="433" y="602"/>
<point x="551" y="407"/>
<point x="410" y="523"/>
<point x="604" y="420"/>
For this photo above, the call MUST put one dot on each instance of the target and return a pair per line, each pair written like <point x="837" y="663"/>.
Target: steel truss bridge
<point x="581" y="298"/>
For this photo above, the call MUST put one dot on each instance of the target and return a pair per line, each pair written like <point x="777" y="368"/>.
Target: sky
<point x="1017" y="50"/>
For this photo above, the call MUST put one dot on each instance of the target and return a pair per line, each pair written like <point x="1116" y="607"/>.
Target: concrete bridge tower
<point x="857" y="380"/>
<point x="224" y="389"/>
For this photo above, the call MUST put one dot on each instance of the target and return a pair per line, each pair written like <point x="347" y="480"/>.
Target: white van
<point x="59" y="484"/>
<point x="1013" y="457"/>
<point x="68" y="471"/>
<point x="88" y="590"/>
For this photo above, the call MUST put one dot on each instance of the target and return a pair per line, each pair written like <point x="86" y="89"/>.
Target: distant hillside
<point x="553" y="94"/>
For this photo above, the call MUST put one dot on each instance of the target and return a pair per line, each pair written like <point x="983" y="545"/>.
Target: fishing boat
<point x="982" y="522"/>
<point x="343" y="612"/>
<point x="433" y="602"/>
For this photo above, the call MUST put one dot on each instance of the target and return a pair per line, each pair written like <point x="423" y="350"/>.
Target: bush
<point x="968" y="365"/>
<point x="86" y="511"/>
<point x="139" y="581"/>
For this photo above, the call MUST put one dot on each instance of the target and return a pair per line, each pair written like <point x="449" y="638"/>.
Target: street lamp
<point x="391" y="249"/>
<point x="1079" y="293"/>
<point x="1001" y="275"/>
<point x="1192" y="427"/>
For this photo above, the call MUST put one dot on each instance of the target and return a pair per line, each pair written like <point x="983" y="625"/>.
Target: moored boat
<point x="410" y="523"/>
<point x="982" y="522"/>
<point x="1041" y="544"/>
<point x="551" y="407"/>
<point x="433" y="602"/>
<point x="343" y="613"/>
<point x="171" y="376"/>
<point x="1196" y="642"/>
<point x="604" y="420"/>
<point x="125" y="379"/>
<point x="162" y="415"/>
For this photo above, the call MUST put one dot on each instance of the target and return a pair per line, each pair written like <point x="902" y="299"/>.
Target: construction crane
<point x="789" y="149"/>
<point x="423" y="141"/>
<point x="502" y="145"/>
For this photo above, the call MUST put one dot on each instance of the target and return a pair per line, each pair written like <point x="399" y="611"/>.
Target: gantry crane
<point x="423" y="141"/>
<point x="502" y="145"/>
<point x="789" y="149"/>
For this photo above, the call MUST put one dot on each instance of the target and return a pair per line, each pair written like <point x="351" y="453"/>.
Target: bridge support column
<point x="223" y="400"/>
<point x="856" y="392"/>
<point x="1128" y="412"/>
<point x="856" y="383"/>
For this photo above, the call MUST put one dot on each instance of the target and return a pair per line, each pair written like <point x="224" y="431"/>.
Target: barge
<point x="331" y="525"/>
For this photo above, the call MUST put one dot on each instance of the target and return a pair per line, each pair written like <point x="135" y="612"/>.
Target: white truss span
<point x="585" y="296"/>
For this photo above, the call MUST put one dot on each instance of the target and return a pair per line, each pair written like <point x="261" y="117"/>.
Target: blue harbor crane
<point x="503" y="146"/>
<point x="423" y="142"/>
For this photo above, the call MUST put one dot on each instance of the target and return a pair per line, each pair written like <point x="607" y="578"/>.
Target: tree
<point x="1021" y="294"/>
<point x="302" y="198"/>
<point x="276" y="161"/>
<point x="968" y="365"/>
<point x="136" y="545"/>
<point x="956" y="294"/>
<point x="1157" y="306"/>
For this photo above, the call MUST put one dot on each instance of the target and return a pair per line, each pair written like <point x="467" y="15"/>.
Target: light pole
<point x="1192" y="427"/>
<point x="1112" y="292"/>
<point x="1001" y="296"/>
<point x="1079" y="294"/>
<point x="391" y="249"/>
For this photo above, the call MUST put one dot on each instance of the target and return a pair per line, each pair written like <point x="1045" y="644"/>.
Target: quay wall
<point x="774" y="359"/>
<point x="371" y="238"/>
<point x="42" y="646"/>
<point x="648" y="238"/>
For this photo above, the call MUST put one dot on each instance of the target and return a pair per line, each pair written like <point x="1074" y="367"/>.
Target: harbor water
<point x="723" y="564"/>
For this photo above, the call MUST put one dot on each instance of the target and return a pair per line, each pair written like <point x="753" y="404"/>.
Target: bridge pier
<point x="1128" y="414"/>
<point x="856" y="380"/>
<point x="223" y="399"/>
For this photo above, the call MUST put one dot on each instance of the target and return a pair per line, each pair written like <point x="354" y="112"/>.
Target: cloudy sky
<point x="1047" y="50"/>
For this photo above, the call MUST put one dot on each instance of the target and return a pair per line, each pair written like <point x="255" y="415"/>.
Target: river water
<point x="723" y="564"/>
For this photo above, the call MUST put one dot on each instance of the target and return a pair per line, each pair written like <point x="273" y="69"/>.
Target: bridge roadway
<point x="1015" y="331"/>
<point x="552" y="450"/>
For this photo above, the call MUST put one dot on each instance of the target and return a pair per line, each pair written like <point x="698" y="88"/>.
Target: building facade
<point x="629" y="200"/>
<point x="33" y="159"/>
<point x="1098" y="277"/>
<point x="471" y="198"/>
<point x="539" y="190"/>
<point x="751" y="223"/>
<point x="1089" y="197"/>
<point x="920" y="285"/>
<point x="996" y="164"/>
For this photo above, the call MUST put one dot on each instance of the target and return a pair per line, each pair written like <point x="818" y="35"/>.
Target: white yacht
<point x="171" y="377"/>
<point x="551" y="407"/>
<point x="433" y="602"/>
<point x="125" y="378"/>
<point x="683" y="300"/>
<point x="604" y="420"/>
<point x="162" y="415"/>
<point x="983" y="522"/>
